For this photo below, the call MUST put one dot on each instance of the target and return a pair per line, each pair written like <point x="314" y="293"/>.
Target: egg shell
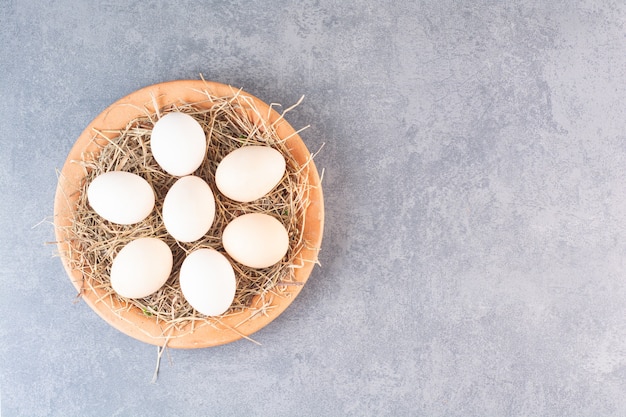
<point x="189" y="209"/>
<point x="121" y="197"/>
<point x="141" y="267"/>
<point x="256" y="240"/>
<point x="178" y="143"/>
<point x="249" y="173"/>
<point x="207" y="281"/>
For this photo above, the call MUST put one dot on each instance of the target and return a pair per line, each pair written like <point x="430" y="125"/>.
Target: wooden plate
<point x="132" y="321"/>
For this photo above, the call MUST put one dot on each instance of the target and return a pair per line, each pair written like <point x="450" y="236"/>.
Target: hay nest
<point x="228" y="125"/>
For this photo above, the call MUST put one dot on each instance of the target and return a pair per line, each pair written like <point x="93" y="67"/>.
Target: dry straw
<point x="230" y="123"/>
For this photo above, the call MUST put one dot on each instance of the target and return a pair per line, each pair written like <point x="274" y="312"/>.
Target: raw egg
<point x="207" y="281"/>
<point x="188" y="209"/>
<point x="178" y="143"/>
<point x="248" y="173"/>
<point x="121" y="197"/>
<point x="141" y="267"/>
<point x="256" y="240"/>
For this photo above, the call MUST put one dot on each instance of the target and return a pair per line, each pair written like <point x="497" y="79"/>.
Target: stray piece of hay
<point x="228" y="126"/>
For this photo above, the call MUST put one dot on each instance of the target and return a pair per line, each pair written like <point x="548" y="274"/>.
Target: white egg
<point x="207" y="281"/>
<point x="121" y="197"/>
<point x="248" y="173"/>
<point x="141" y="267"/>
<point x="188" y="209"/>
<point x="256" y="240"/>
<point x="178" y="143"/>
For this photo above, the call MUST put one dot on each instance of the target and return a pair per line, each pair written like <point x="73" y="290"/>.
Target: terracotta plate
<point x="132" y="321"/>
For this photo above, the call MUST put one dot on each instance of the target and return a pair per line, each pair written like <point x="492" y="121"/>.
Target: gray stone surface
<point x="475" y="167"/>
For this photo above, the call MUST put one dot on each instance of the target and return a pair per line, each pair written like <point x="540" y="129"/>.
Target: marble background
<point x="474" y="161"/>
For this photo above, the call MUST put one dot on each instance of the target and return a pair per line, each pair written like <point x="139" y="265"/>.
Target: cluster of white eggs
<point x="207" y="278"/>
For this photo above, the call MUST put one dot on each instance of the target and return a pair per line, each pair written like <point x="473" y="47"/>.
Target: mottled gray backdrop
<point x="474" y="163"/>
